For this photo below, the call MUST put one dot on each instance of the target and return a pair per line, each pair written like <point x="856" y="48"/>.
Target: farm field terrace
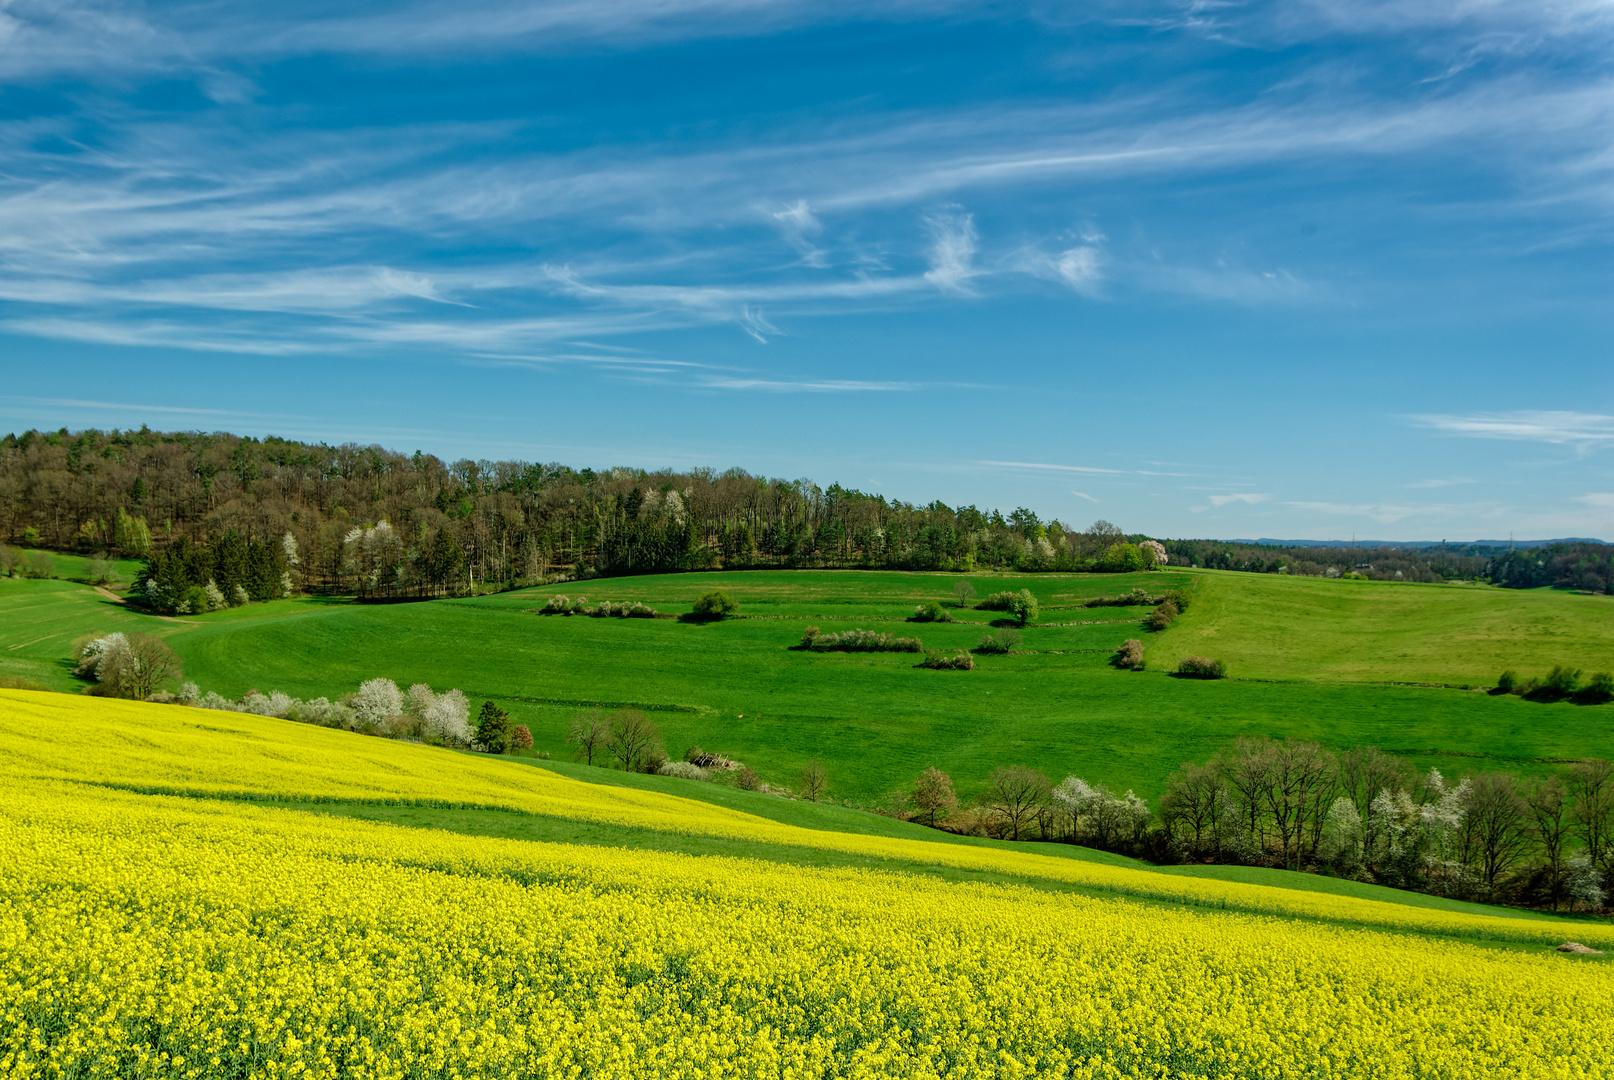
<point x="875" y="719"/>
<point x="209" y="929"/>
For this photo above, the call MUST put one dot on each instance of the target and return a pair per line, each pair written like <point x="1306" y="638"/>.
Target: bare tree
<point x="814" y="779"/>
<point x="1247" y="768"/>
<point x="1364" y="771"/>
<point x="1191" y="808"/>
<point x="1301" y="789"/>
<point x="1017" y="793"/>
<point x="590" y="731"/>
<point x="1591" y="789"/>
<point x="933" y="794"/>
<point x="633" y="739"/>
<point x="965" y="593"/>
<point x="1496" y="826"/>
<point x="1551" y="819"/>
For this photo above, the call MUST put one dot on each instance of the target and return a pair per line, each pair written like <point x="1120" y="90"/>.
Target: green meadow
<point x="1311" y="658"/>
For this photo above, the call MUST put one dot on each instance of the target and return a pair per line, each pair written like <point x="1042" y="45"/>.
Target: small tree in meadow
<point x="1016" y="793"/>
<point x="965" y="592"/>
<point x="933" y="794"/>
<point x="1023" y="606"/>
<point x="814" y="779"/>
<point x="492" y="728"/>
<point x="590" y="732"/>
<point x="634" y="740"/>
<point x="520" y="737"/>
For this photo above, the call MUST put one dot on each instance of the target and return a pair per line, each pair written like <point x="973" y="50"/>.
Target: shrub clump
<point x="1161" y="617"/>
<point x="564" y="605"/>
<point x="710" y="761"/>
<point x="1003" y="640"/>
<point x="716" y="604"/>
<point x="940" y="661"/>
<point x="1129" y="655"/>
<point x="930" y="612"/>
<point x="684" y="770"/>
<point x="1201" y="667"/>
<point x="748" y="780"/>
<point x="1135" y="598"/>
<point x="998" y="601"/>
<point x="858" y="641"/>
<point x="635" y="610"/>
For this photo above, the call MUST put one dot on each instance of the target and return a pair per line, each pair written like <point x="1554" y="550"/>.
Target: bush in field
<point x="940" y="661"/>
<point x="560" y="604"/>
<point x="1161" y="617"/>
<point x="747" y="780"/>
<point x="1561" y="682"/>
<point x="1507" y="682"/>
<point x="708" y="760"/>
<point x="377" y="700"/>
<point x="1023" y="606"/>
<point x="1181" y="597"/>
<point x="998" y="601"/>
<point x="1129" y="655"/>
<point x="683" y="770"/>
<point x="1135" y="598"/>
<point x="930" y="612"/>
<point x="1002" y="640"/>
<point x="862" y="641"/>
<point x="965" y="592"/>
<point x="520" y="737"/>
<point x="635" y="610"/>
<point x="715" y="605"/>
<point x="1201" y="667"/>
<point x="808" y="637"/>
<point x="1598" y="691"/>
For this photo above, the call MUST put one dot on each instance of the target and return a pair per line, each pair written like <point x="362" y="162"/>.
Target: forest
<point x="260" y="517"/>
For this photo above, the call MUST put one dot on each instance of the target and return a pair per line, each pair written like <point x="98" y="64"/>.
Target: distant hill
<point x="1417" y="544"/>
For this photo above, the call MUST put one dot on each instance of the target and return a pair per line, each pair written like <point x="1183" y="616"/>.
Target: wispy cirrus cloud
<point x="1051" y="467"/>
<point x="1584" y="430"/>
<point x="1248" y="498"/>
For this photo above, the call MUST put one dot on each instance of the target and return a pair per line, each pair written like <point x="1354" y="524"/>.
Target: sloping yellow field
<point x="166" y="934"/>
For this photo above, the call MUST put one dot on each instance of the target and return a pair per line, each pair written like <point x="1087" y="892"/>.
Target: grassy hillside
<point x="1277" y="627"/>
<point x="875" y="719"/>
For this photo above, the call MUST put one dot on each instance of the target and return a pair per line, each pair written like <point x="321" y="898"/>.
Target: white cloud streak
<point x="1585" y="430"/>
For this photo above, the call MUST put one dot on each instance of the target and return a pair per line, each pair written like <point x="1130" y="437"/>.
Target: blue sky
<point x="1304" y="269"/>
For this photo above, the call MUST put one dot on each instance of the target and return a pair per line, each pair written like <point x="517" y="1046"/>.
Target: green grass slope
<point x="1278" y="627"/>
<point x="875" y="719"/>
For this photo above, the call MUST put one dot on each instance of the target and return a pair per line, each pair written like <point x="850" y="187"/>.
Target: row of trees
<point x="1569" y="565"/>
<point x="1545" y="841"/>
<point x="375" y="522"/>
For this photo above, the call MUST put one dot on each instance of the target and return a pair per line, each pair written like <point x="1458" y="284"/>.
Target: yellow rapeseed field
<point x="158" y="935"/>
<point x="166" y="749"/>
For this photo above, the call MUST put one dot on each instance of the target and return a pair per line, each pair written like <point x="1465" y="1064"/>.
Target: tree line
<point x="1363" y="814"/>
<point x="377" y="523"/>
